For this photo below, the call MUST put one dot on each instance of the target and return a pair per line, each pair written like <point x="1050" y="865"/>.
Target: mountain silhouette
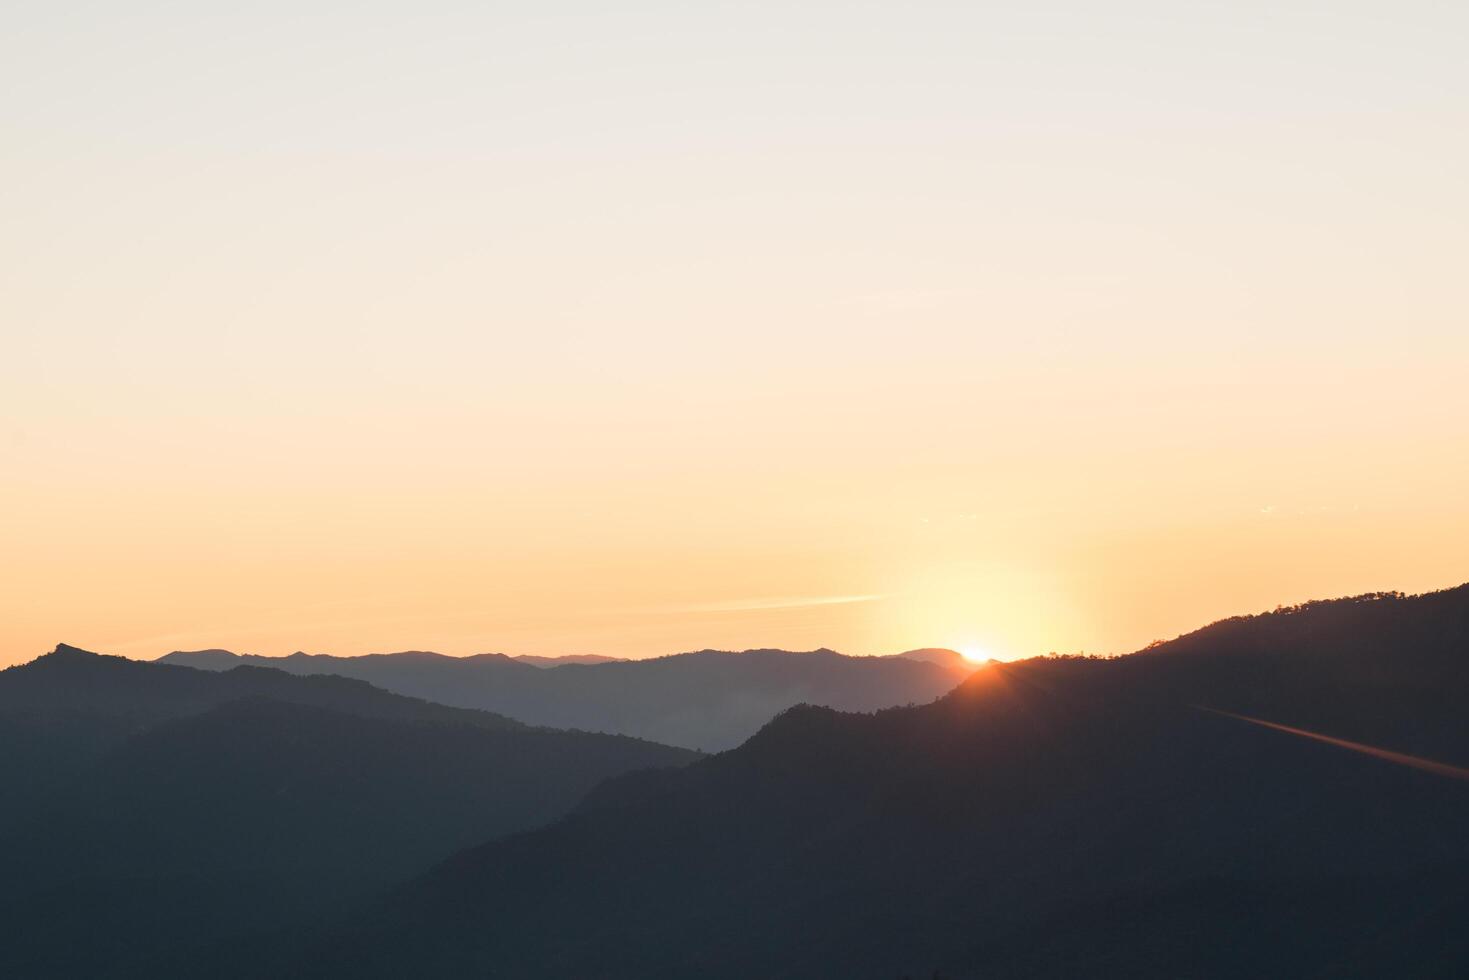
<point x="562" y="661"/>
<point x="1051" y="818"/>
<point x="154" y="811"/>
<point x="952" y="659"/>
<point x="62" y="711"/>
<point x="710" y="700"/>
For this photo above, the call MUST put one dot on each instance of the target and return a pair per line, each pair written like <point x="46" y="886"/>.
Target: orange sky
<point x="552" y="330"/>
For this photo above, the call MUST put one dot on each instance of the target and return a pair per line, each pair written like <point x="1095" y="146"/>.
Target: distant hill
<point x="64" y="710"/>
<point x="570" y="658"/>
<point x="1052" y="818"/>
<point x="76" y="683"/>
<point x="153" y="810"/>
<point x="709" y="700"/>
<point x="952" y="659"/>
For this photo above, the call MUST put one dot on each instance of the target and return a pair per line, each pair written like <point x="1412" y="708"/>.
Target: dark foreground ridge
<point x="1059" y="817"/>
<point x="158" y="814"/>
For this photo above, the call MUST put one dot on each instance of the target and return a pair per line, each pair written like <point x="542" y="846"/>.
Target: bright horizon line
<point x="512" y="656"/>
<point x="974" y="653"/>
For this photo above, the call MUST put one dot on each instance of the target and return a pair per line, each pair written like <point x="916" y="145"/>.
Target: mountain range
<point x="162" y="810"/>
<point x="1051" y="818"/>
<point x="709" y="700"/>
<point x="1274" y="795"/>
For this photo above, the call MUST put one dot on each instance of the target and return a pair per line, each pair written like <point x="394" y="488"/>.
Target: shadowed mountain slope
<point x="64" y="710"/>
<point x="709" y="700"/>
<point x="1053" y="818"/>
<point x="181" y="807"/>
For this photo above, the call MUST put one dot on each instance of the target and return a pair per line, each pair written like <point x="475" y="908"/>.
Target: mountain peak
<point x="66" y="661"/>
<point x="66" y="651"/>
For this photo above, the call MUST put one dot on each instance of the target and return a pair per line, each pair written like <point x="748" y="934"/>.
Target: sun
<point x="974" y="653"/>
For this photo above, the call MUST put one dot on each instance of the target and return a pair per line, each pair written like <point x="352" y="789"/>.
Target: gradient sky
<point x="571" y="327"/>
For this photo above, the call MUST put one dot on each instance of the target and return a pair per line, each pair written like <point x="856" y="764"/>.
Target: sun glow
<point x="974" y="654"/>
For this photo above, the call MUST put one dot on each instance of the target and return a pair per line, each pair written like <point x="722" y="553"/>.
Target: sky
<point x="571" y="327"/>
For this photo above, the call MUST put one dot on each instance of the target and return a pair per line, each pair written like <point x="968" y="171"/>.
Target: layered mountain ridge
<point x="1049" y="818"/>
<point x="709" y="699"/>
<point x="171" y="809"/>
